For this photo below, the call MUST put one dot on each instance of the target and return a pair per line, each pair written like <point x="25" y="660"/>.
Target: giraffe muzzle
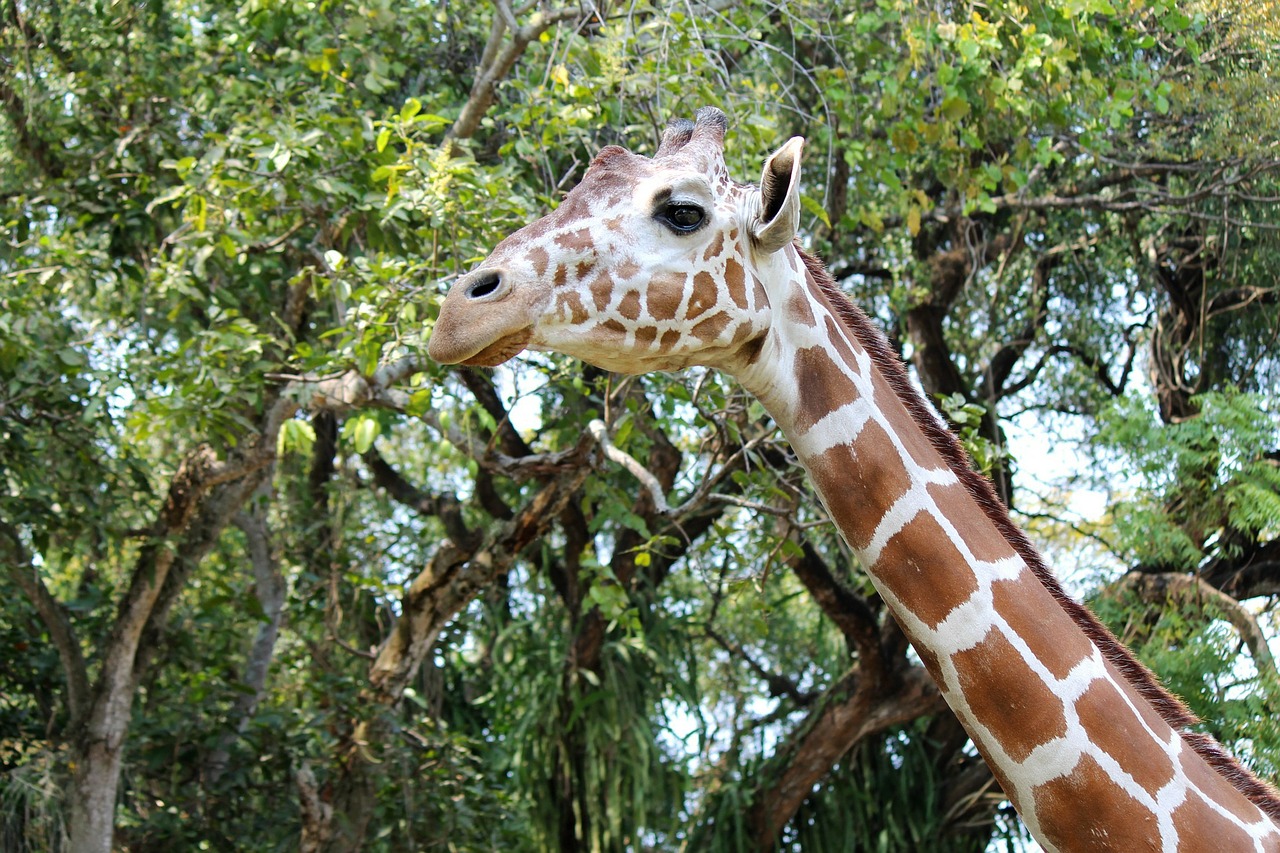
<point x="483" y="320"/>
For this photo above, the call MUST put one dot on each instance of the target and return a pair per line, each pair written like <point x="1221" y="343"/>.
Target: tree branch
<point x="54" y="616"/>
<point x="1190" y="589"/>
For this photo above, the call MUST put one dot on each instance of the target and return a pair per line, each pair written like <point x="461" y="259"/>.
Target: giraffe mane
<point x="1168" y="706"/>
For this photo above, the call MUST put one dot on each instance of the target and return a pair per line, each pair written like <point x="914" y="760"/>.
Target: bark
<point x="1189" y="590"/>
<point x="454" y="576"/>
<point x="98" y="736"/>
<point x="949" y="272"/>
<point x="500" y="56"/>
<point x="270" y="589"/>
<point x="883" y="690"/>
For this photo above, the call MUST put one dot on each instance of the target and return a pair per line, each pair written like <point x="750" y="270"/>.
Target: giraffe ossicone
<point x="662" y="263"/>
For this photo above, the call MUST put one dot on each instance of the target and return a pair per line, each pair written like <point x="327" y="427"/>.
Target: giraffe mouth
<point x="503" y="349"/>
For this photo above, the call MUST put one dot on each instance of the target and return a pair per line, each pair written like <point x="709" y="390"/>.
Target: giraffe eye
<point x="683" y="218"/>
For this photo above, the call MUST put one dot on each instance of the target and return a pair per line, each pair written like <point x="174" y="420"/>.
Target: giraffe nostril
<point x="486" y="285"/>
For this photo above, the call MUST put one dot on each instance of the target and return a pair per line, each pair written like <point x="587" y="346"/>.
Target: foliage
<point x="228" y="226"/>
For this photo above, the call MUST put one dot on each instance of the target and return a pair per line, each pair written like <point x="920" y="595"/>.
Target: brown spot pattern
<point x="575" y="241"/>
<point x="840" y="345"/>
<point x="823" y="387"/>
<point x="562" y="275"/>
<point x="1086" y="810"/>
<point x="601" y="291"/>
<point x="612" y="325"/>
<point x="714" y="248"/>
<point x="1120" y="734"/>
<point x="663" y="299"/>
<point x="709" y="329"/>
<point x="1201" y="828"/>
<point x="703" y="296"/>
<point x="1024" y="603"/>
<point x="913" y="440"/>
<point x="584" y="268"/>
<point x="932" y="586"/>
<point x="1007" y="697"/>
<point x="630" y="305"/>
<point x="540" y="259"/>
<point x="799" y="311"/>
<point x="645" y="335"/>
<point x="762" y="298"/>
<point x="860" y="482"/>
<point x="1216" y="786"/>
<point x="628" y="269"/>
<point x="735" y="277"/>
<point x="571" y="300"/>
<point x="975" y="528"/>
<point x="669" y="339"/>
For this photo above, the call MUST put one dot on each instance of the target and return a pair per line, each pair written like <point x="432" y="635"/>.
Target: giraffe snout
<point x="479" y="324"/>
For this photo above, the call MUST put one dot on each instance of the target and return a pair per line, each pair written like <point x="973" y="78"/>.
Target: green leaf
<point x="364" y="432"/>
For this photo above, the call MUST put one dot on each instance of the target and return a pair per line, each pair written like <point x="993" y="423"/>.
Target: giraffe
<point x="663" y="263"/>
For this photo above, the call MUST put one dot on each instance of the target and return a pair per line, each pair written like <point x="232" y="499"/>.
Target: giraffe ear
<point x="778" y="216"/>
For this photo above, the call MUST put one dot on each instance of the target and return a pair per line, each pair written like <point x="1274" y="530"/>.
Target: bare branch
<point x="54" y="616"/>
<point x="1191" y="589"/>
<point x="499" y="59"/>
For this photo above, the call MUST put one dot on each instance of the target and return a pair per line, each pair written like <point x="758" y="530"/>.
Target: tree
<point x="277" y="579"/>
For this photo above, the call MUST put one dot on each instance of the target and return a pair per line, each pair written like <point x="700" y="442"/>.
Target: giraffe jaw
<point x="501" y="350"/>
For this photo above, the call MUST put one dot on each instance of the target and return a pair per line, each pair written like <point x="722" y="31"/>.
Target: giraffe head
<point x="648" y="264"/>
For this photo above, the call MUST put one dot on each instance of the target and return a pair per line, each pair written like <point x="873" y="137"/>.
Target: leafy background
<point x="274" y="580"/>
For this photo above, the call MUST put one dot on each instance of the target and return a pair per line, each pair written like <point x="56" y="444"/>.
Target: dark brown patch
<point x="1029" y="610"/>
<point x="1007" y="696"/>
<point x="824" y="387"/>
<point x="977" y="531"/>
<point x="645" y="335"/>
<point x="799" y="311"/>
<point x="751" y="350"/>
<point x="562" y="275"/>
<point x="578" y="311"/>
<point x="601" y="291"/>
<point x="1114" y="727"/>
<point x="1086" y="810"/>
<point x="924" y="570"/>
<point x="539" y="258"/>
<point x="583" y="269"/>
<point x="859" y="482"/>
<point x="630" y="306"/>
<point x="703" y="296"/>
<point x="669" y="339"/>
<point x="614" y="326"/>
<point x="735" y="277"/>
<point x="1201" y="828"/>
<point x="709" y="329"/>
<point x="575" y="241"/>
<point x="713" y="249"/>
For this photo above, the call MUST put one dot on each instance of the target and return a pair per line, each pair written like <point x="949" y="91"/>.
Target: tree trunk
<point x="93" y="792"/>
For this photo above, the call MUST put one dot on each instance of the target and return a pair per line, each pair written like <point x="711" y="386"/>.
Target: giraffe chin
<point x="503" y="349"/>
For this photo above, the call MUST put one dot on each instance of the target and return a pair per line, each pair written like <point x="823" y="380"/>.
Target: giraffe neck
<point x="1082" y="741"/>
